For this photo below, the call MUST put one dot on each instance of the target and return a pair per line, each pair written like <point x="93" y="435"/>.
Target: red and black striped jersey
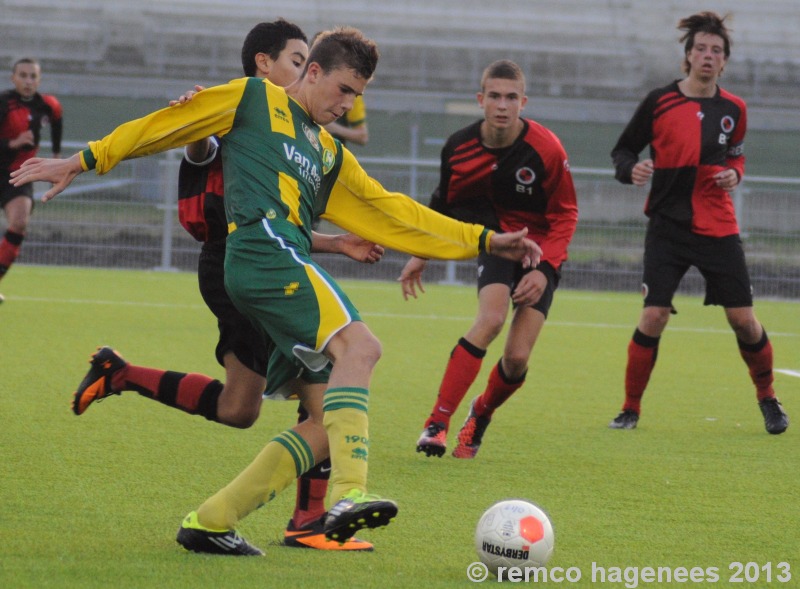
<point x="527" y="184"/>
<point x="690" y="139"/>
<point x="17" y="116"/>
<point x="201" y="209"/>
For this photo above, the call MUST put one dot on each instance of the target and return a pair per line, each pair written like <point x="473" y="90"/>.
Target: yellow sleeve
<point x="360" y="205"/>
<point x="210" y="112"/>
<point x="357" y="115"/>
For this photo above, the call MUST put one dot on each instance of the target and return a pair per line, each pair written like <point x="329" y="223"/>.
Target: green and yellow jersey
<point x="281" y="166"/>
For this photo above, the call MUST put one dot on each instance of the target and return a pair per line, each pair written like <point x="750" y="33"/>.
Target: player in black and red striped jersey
<point x="505" y="172"/>
<point x="695" y="131"/>
<point x="23" y="113"/>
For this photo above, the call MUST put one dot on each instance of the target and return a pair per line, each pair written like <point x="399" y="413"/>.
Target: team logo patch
<point x="700" y="115"/>
<point x="312" y="138"/>
<point x="526" y="176"/>
<point x="645" y="290"/>
<point x="727" y="124"/>
<point x="566" y="165"/>
<point x="291" y="288"/>
<point x="328" y="160"/>
<point x="271" y="214"/>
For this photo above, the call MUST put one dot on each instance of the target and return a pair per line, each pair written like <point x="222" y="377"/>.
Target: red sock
<point x="498" y="390"/>
<point x="310" y="500"/>
<point x="642" y="354"/>
<point x="758" y="358"/>
<point x="193" y="393"/>
<point x="9" y="250"/>
<point x="462" y="369"/>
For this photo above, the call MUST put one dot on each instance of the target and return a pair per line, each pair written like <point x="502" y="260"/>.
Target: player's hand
<point x="411" y="277"/>
<point x="515" y="246"/>
<point x="58" y="172"/>
<point x="24" y="140"/>
<point x="641" y="172"/>
<point x="360" y="249"/>
<point x="530" y="289"/>
<point x="728" y="180"/>
<point x="187" y="96"/>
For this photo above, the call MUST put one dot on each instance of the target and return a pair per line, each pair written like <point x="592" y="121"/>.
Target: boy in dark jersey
<point x="23" y="113"/>
<point x="506" y="172"/>
<point x="282" y="170"/>
<point x="695" y="131"/>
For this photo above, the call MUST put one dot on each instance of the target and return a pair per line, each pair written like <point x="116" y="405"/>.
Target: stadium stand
<point x="614" y="49"/>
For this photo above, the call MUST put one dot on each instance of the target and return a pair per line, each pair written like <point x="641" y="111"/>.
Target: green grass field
<point x="95" y="501"/>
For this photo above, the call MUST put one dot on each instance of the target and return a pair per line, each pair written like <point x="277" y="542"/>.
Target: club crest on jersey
<point x="312" y="139"/>
<point x="328" y="160"/>
<point x="526" y="176"/>
<point x="727" y="123"/>
<point x="700" y="115"/>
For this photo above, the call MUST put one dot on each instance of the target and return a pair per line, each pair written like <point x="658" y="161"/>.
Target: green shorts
<point x="272" y="280"/>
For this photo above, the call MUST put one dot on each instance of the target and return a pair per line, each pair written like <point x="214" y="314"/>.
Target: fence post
<point x="168" y="185"/>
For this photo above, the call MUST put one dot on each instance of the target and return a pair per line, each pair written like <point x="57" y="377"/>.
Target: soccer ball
<point x="514" y="533"/>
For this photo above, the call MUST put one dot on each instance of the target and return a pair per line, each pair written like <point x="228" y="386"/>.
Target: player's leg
<point x="306" y="528"/>
<point x="756" y="351"/>
<point x="508" y="375"/>
<point x="664" y="267"/>
<point x="464" y="364"/>
<point x="722" y="263"/>
<point x="241" y="350"/>
<point x="316" y="325"/>
<point x="212" y="527"/>
<point x="17" y="203"/>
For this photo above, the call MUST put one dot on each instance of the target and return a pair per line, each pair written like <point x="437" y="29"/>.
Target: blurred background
<point x="587" y="63"/>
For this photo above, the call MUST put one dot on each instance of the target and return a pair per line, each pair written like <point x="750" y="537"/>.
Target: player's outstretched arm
<point x="515" y="246"/>
<point x="411" y="277"/>
<point x="58" y="172"/>
<point x="199" y="150"/>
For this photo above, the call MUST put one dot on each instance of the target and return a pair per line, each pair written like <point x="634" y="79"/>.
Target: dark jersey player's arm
<point x="636" y="136"/>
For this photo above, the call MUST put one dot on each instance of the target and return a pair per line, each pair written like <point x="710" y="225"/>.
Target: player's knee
<point x="492" y="324"/>
<point x="515" y="365"/>
<point x="370" y="349"/>
<point x="240" y="417"/>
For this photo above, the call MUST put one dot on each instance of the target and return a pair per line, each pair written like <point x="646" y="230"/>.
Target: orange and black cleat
<point x="96" y="385"/>
<point x="312" y="535"/>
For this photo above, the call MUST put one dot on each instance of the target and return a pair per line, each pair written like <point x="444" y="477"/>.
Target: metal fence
<point x="128" y="219"/>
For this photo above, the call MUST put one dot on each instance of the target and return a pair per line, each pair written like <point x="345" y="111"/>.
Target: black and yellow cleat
<point x="197" y="538"/>
<point x="356" y="511"/>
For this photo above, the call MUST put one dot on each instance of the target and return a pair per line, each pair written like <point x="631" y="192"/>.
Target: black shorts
<point x="495" y="270"/>
<point x="236" y="333"/>
<point x="670" y="250"/>
<point x="9" y="192"/>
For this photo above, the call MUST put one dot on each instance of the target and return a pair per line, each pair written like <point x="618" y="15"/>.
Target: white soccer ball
<point x="514" y="533"/>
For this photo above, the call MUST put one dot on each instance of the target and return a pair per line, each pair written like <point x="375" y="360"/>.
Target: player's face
<point x="502" y="102"/>
<point x="26" y="79"/>
<point x="333" y="93"/>
<point x="286" y="70"/>
<point x="706" y="57"/>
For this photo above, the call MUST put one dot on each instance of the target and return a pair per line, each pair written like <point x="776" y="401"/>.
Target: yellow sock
<point x="347" y="425"/>
<point x="282" y="460"/>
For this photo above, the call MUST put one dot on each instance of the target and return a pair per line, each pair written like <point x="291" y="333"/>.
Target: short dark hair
<point x="504" y="69"/>
<point x="703" y="22"/>
<point x="22" y="60"/>
<point x="269" y="38"/>
<point x="344" y="47"/>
